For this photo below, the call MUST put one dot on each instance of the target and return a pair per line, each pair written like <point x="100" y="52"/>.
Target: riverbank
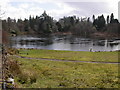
<point x="98" y="35"/>
<point x="71" y="55"/>
<point x="34" y="73"/>
<point x="104" y="35"/>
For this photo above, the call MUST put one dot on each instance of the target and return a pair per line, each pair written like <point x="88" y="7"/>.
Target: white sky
<point x="58" y="8"/>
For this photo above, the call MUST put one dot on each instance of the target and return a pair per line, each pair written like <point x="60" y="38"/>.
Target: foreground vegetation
<point x="54" y="74"/>
<point x="33" y="73"/>
<point x="71" y="55"/>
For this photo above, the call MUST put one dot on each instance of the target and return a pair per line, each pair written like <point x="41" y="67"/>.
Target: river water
<point x="65" y="42"/>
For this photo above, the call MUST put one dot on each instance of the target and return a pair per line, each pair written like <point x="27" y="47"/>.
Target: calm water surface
<point x="63" y="42"/>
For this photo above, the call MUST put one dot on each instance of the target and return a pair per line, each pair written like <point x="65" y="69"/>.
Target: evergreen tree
<point x="88" y="20"/>
<point x="59" y="26"/>
<point x="45" y="23"/>
<point x="31" y="22"/>
<point x="111" y="18"/>
<point x="93" y="18"/>
<point x="20" y="25"/>
<point x="99" y="23"/>
<point x="9" y="23"/>
<point x="107" y="19"/>
<point x="115" y="21"/>
<point x="72" y="20"/>
<point x="26" y="25"/>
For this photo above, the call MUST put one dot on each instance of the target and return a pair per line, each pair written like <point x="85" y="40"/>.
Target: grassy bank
<point x="53" y="74"/>
<point x="34" y="73"/>
<point x="71" y="55"/>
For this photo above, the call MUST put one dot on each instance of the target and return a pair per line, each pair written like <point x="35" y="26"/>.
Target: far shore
<point x="98" y="35"/>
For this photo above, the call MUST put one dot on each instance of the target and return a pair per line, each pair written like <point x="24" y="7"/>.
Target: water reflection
<point x="65" y="43"/>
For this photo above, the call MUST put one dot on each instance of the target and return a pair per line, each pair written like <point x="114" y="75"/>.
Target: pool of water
<point x="65" y="42"/>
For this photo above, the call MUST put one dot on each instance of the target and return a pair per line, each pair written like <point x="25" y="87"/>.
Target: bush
<point x="12" y="51"/>
<point x="32" y="79"/>
<point x="23" y="78"/>
<point x="14" y="67"/>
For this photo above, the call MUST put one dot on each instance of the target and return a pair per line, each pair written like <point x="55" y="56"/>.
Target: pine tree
<point x="111" y="18"/>
<point x="107" y="19"/>
<point x="93" y="18"/>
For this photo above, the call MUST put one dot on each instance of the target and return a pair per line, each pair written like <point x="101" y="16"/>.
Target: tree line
<point x="45" y="24"/>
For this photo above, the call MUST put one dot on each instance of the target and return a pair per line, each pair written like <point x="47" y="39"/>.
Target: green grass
<point x="57" y="74"/>
<point x="71" y="55"/>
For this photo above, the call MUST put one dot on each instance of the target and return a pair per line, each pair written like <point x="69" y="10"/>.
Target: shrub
<point x="22" y="78"/>
<point x="32" y="79"/>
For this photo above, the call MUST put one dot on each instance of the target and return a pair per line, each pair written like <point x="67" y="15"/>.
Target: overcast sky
<point x="58" y="8"/>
